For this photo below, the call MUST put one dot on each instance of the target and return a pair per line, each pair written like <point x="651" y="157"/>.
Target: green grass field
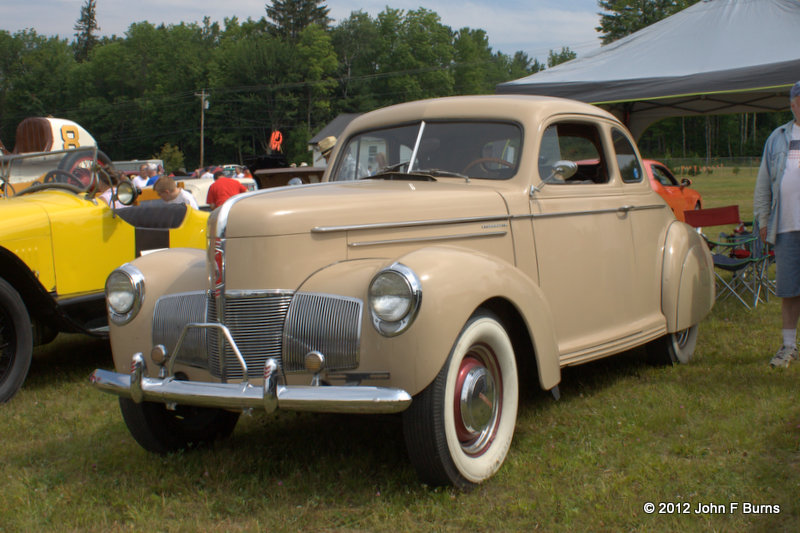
<point x="722" y="430"/>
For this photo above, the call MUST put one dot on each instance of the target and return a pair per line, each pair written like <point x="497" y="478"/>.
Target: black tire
<point x="451" y="445"/>
<point x="673" y="348"/>
<point x="16" y="341"/>
<point x="161" y="431"/>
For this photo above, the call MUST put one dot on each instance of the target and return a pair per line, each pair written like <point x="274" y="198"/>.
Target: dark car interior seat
<point x="163" y="216"/>
<point x="152" y="223"/>
<point x="33" y="135"/>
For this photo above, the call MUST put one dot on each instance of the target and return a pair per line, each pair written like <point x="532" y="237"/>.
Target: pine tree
<point x="623" y="17"/>
<point x="289" y="17"/>
<point x="85" y="38"/>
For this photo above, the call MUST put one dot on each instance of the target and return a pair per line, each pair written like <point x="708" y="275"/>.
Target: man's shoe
<point x="785" y="355"/>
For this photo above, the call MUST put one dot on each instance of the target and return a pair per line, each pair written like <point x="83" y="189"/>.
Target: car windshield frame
<point x="43" y="169"/>
<point x="433" y="149"/>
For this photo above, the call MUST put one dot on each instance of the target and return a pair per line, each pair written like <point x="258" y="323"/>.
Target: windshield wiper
<point x="395" y="175"/>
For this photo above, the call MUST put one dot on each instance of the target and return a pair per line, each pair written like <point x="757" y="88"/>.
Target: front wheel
<point x="16" y="341"/>
<point x="160" y="430"/>
<point x="673" y="348"/>
<point x="459" y="429"/>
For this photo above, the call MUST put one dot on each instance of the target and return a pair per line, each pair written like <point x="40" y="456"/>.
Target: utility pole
<point x="203" y="106"/>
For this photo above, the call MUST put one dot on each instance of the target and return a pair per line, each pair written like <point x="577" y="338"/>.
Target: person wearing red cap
<point x="222" y="189"/>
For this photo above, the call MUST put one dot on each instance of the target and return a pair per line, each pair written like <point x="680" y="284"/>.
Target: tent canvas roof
<point x="717" y="56"/>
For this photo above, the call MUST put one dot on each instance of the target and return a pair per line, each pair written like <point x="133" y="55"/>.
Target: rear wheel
<point x="160" y="430"/>
<point x="459" y="429"/>
<point x="16" y="341"/>
<point x="673" y="348"/>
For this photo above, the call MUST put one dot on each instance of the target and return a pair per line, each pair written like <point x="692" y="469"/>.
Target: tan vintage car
<point x="454" y="253"/>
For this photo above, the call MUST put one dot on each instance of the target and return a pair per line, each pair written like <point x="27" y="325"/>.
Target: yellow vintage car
<point x="59" y="241"/>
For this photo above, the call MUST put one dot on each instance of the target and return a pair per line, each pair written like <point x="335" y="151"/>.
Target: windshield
<point x="487" y="150"/>
<point x="73" y="167"/>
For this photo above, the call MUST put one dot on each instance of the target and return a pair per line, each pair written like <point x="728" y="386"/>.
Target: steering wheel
<point x="5" y="186"/>
<point x="62" y="176"/>
<point x="482" y="160"/>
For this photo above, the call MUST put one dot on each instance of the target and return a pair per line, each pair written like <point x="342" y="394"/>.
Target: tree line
<point x="143" y="94"/>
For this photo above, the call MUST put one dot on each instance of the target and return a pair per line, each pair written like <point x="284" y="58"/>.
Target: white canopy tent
<point x="715" y="57"/>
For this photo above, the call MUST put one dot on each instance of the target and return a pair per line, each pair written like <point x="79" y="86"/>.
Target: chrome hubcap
<point x="477" y="399"/>
<point x="476" y="405"/>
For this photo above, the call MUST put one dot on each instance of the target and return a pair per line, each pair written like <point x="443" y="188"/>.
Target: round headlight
<point x="390" y="296"/>
<point x="119" y="292"/>
<point x="124" y="291"/>
<point x="394" y="297"/>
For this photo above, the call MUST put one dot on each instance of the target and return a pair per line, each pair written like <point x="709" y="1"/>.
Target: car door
<point x="584" y="242"/>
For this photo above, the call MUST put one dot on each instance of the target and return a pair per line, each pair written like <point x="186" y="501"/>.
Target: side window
<point x="665" y="178"/>
<point x="629" y="166"/>
<point x="579" y="142"/>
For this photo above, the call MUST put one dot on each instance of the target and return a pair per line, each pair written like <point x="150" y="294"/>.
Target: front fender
<point x="455" y="282"/>
<point x="170" y="271"/>
<point x="687" y="286"/>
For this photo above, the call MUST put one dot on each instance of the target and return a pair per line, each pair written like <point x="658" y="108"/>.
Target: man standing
<point x="172" y="194"/>
<point x="776" y="210"/>
<point x="222" y="189"/>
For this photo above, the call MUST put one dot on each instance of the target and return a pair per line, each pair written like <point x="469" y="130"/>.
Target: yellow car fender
<point x="455" y="283"/>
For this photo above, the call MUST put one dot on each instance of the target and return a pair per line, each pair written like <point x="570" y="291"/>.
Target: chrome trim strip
<point x="409" y="224"/>
<point x="427" y="239"/>
<point x="621" y="209"/>
<point x="326" y="399"/>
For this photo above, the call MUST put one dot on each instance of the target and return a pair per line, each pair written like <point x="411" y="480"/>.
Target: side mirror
<point x="126" y="193"/>
<point x="560" y="172"/>
<point x="685" y="182"/>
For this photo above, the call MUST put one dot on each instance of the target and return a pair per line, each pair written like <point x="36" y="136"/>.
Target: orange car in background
<point x="677" y="195"/>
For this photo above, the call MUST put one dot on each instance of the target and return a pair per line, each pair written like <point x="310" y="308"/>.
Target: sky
<point x="533" y="26"/>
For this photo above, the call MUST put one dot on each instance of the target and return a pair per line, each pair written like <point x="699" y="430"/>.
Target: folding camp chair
<point x="740" y="253"/>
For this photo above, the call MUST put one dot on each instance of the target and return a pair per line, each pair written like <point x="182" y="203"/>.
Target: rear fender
<point x="687" y="287"/>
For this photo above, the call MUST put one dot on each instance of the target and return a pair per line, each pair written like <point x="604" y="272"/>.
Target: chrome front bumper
<point x="244" y="396"/>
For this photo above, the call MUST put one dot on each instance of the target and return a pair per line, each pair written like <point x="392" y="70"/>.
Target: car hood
<point x="29" y="214"/>
<point x="328" y="206"/>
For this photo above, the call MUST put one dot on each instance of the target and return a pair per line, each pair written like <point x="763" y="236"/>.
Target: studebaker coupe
<point x="478" y="250"/>
<point x="58" y="243"/>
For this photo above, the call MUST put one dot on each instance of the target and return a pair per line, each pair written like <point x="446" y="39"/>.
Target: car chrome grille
<point x="255" y="321"/>
<point x="264" y="324"/>
<point x="170" y="316"/>
<point x="328" y="324"/>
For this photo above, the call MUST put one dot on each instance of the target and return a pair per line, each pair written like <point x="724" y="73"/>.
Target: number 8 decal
<point x="69" y="134"/>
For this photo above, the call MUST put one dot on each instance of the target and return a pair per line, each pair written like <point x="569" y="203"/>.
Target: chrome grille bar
<point x="255" y="320"/>
<point x="324" y="323"/>
<point x="171" y="314"/>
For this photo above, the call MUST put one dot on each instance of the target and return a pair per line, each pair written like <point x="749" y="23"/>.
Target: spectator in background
<point x="172" y="194"/>
<point x="776" y="210"/>
<point x="106" y="183"/>
<point x="208" y="173"/>
<point x="222" y="189"/>
<point x="326" y="147"/>
<point x="154" y="174"/>
<point x="140" y="181"/>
